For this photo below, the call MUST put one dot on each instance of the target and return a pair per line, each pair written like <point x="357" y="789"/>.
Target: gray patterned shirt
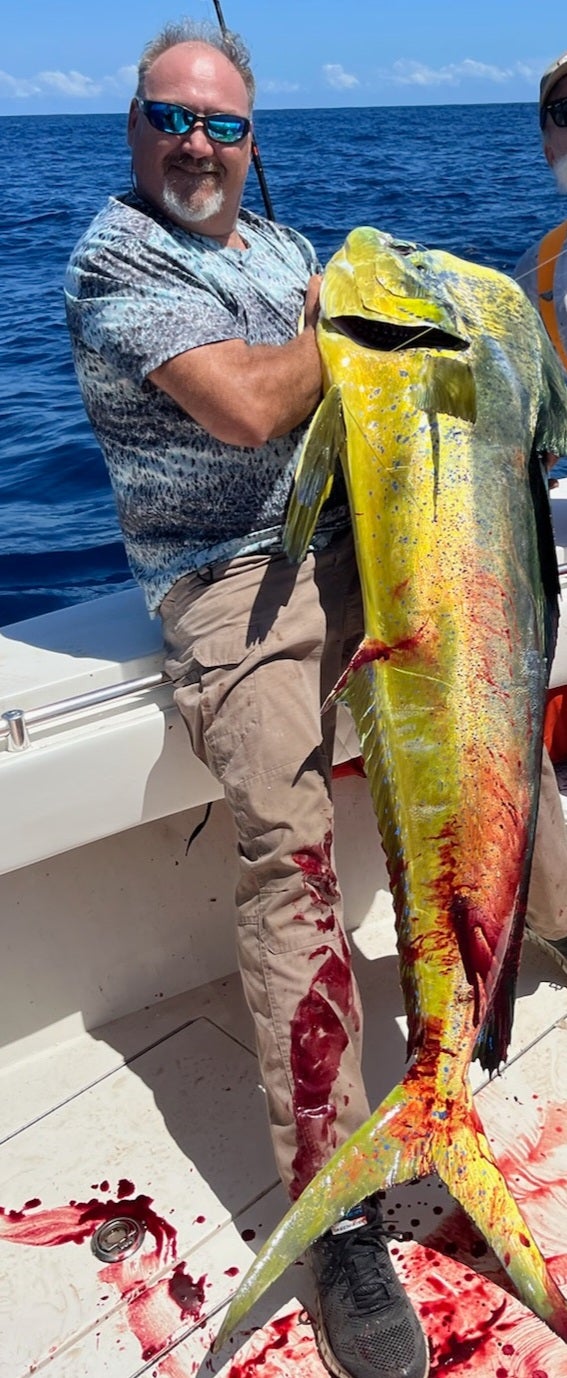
<point x="140" y="290"/>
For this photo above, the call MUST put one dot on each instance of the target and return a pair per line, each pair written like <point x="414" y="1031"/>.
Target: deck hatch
<point x="117" y="1239"/>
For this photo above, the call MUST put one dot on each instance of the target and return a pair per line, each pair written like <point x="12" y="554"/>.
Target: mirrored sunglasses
<point x="176" y="119"/>
<point x="558" y="111"/>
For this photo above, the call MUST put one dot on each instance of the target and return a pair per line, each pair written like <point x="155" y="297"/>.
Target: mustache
<point x="188" y="164"/>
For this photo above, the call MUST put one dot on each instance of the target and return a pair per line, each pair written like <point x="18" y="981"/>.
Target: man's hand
<point x="311" y="310"/>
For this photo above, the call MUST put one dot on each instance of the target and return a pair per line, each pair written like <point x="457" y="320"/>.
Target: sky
<point x="65" y="57"/>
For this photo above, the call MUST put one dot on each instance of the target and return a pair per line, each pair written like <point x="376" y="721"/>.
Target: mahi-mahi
<point x="442" y="396"/>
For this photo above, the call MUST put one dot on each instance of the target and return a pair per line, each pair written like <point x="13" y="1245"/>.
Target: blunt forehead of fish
<point x="375" y="257"/>
<point x="366" y="237"/>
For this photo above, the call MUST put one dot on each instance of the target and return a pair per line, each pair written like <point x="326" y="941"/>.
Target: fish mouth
<point x="389" y="336"/>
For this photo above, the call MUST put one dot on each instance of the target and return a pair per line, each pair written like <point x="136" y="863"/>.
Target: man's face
<point x="555" y="139"/>
<point x="197" y="183"/>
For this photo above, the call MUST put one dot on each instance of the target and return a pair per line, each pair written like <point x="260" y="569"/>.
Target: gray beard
<point x="560" y="173"/>
<point x="186" y="215"/>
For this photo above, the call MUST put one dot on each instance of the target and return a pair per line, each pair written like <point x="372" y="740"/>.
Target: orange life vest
<point x="549" y="250"/>
<point x="555" y="727"/>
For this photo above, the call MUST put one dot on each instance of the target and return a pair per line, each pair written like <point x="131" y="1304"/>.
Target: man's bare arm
<point x="248" y="394"/>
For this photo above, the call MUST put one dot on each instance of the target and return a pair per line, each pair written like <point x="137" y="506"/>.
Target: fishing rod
<point x="256" y="159"/>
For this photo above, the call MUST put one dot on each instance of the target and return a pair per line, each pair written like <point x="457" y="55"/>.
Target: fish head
<point x="384" y="293"/>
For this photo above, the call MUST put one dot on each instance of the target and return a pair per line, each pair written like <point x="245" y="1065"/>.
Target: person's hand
<point x="311" y="309"/>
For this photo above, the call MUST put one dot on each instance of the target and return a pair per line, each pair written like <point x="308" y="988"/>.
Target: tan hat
<point x="551" y="76"/>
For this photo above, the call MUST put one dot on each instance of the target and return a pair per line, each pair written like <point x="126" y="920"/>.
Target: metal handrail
<point x="14" y="722"/>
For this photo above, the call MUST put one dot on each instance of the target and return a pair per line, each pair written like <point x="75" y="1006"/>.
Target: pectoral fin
<point x="447" y="386"/>
<point x="315" y="473"/>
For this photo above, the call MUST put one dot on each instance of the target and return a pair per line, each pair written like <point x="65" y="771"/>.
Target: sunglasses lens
<point x="226" y="129"/>
<point x="558" y="111"/>
<point x="173" y="119"/>
<point x="168" y="119"/>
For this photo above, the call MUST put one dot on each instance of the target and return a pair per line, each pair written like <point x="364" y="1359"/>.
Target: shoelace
<point x="358" y="1255"/>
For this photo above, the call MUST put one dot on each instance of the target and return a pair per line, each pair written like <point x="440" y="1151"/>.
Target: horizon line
<point x="281" y="109"/>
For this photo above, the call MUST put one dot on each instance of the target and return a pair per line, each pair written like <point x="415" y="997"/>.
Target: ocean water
<point x="471" y="179"/>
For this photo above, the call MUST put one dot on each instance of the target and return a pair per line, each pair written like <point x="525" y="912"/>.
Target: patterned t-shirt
<point x="140" y="290"/>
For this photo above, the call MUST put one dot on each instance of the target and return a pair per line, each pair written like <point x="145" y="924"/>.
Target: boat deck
<point x="160" y="1117"/>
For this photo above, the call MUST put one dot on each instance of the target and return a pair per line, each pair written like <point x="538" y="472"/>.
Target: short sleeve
<point x="134" y="307"/>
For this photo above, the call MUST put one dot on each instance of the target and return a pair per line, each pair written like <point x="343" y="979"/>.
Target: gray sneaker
<point x="366" y="1326"/>
<point x="554" y="947"/>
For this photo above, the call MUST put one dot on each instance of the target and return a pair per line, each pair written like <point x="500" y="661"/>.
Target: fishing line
<point x="264" y="186"/>
<point x="543" y="264"/>
<point x="256" y="159"/>
<point x="527" y="274"/>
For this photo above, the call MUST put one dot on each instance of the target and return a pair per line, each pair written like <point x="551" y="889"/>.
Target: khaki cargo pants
<point x="254" y="651"/>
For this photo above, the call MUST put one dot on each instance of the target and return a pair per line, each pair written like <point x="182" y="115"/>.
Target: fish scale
<point x="440" y="449"/>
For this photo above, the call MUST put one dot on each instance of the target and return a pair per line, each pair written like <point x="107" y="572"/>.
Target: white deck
<point x="105" y="918"/>
<point x="166" y="1104"/>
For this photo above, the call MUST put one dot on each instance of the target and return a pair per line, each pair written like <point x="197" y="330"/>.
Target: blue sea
<point x="471" y="179"/>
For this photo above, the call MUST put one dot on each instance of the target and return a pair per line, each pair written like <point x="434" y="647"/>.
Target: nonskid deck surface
<point x="160" y="1117"/>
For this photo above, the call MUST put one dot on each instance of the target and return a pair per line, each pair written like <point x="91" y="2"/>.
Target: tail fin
<point x="388" y="1151"/>
<point x="371" y="1159"/>
<point x="464" y="1162"/>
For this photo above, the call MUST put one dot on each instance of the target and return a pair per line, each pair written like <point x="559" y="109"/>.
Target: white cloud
<point x="74" y="84"/>
<point x="470" y="68"/>
<point x="16" y="86"/>
<point x="128" y="76"/>
<point x="279" y="86"/>
<point x="336" y="76"/>
<point x="408" y="73"/>
<point x="530" y="70"/>
<point x="69" y="83"/>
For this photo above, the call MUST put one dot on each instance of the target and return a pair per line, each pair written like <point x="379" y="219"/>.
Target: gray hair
<point x="196" y="31"/>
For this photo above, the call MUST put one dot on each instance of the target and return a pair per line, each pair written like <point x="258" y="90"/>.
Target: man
<point x="542" y="271"/>
<point x="183" y="311"/>
<point x="183" y="315"/>
<point x="543" y="268"/>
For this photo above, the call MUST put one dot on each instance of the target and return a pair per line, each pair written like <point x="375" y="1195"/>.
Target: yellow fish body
<point x="441" y="392"/>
